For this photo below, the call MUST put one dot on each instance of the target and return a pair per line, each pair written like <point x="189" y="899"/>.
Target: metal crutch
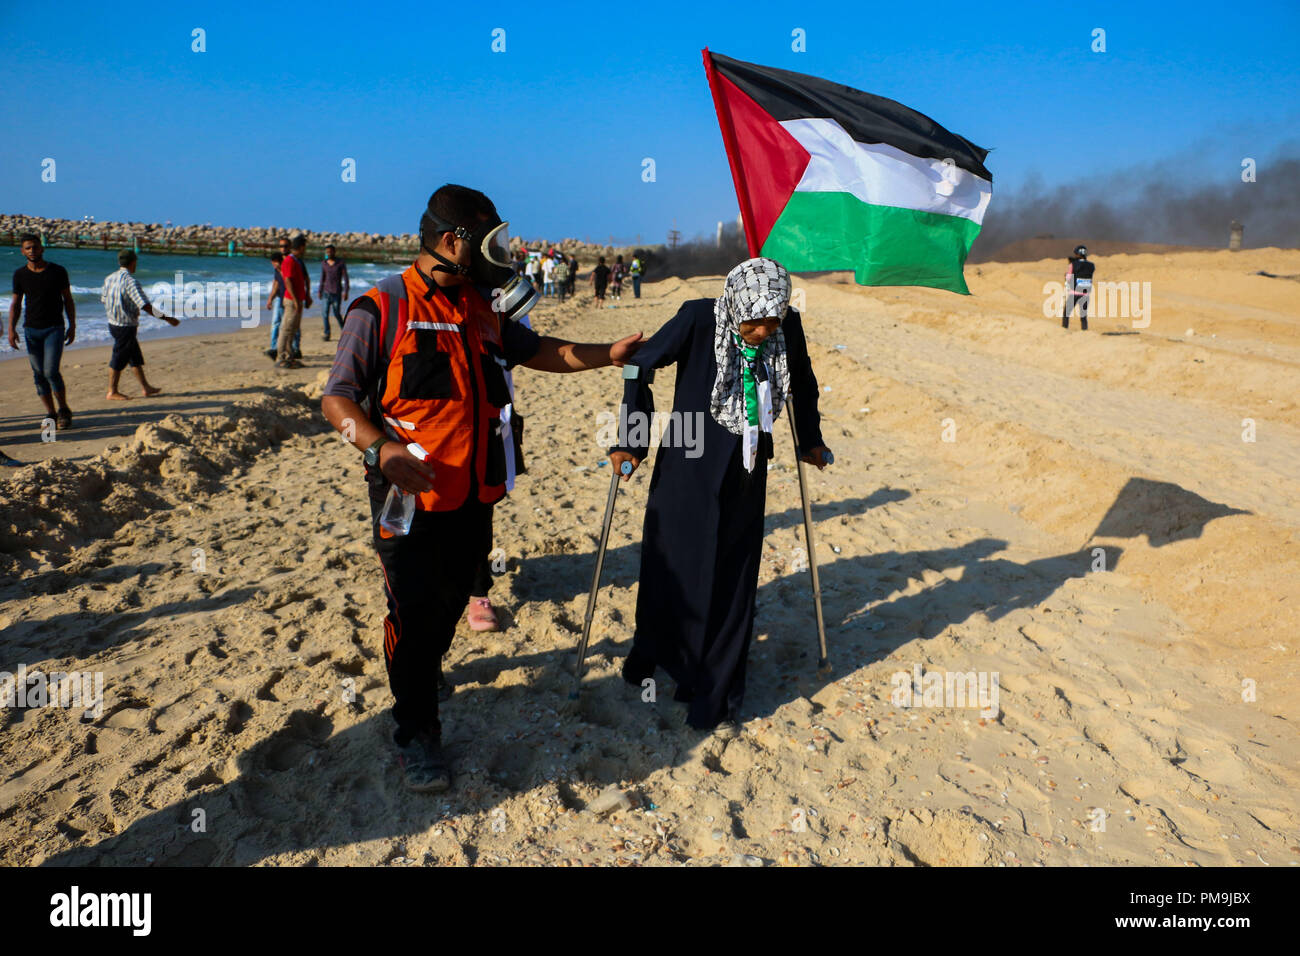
<point x="626" y="469"/>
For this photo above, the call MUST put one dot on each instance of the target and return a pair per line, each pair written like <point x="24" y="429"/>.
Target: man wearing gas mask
<point x="419" y="369"/>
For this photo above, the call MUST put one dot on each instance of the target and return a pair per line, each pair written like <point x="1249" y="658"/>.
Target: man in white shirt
<point x="548" y="276"/>
<point x="124" y="300"/>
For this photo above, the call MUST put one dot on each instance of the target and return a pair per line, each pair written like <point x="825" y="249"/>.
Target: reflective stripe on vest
<point x="434" y="390"/>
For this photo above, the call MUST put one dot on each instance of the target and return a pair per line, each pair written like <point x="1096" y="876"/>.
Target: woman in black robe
<point x="737" y="359"/>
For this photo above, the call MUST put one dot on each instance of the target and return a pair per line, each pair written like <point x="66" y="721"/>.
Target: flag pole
<point x="822" y="656"/>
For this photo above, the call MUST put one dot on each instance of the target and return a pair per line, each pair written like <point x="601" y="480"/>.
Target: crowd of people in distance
<point x="555" y="274"/>
<point x="552" y="273"/>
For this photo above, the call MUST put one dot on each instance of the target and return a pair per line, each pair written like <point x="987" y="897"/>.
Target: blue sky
<point x="253" y="131"/>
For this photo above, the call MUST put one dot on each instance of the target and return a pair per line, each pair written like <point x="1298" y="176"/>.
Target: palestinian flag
<point x="829" y="177"/>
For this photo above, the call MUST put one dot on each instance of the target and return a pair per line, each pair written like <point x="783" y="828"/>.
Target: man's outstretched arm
<point x="558" y="355"/>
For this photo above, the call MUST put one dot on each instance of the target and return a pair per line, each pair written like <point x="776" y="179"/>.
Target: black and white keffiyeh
<point x="755" y="289"/>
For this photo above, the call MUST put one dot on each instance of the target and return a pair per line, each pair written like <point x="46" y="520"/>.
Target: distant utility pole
<point x="719" y="241"/>
<point x="674" y="236"/>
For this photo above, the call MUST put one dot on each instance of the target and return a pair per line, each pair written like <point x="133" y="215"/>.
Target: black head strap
<point x="432" y="226"/>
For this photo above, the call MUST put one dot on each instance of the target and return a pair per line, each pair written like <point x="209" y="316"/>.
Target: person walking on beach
<point x="599" y="278"/>
<point x="1078" y="287"/>
<point x="124" y="300"/>
<point x="428" y="351"/>
<point x="635" y="271"/>
<point x="548" y="276"/>
<point x="333" y="289"/>
<point x="573" y="275"/>
<point x="297" y="297"/>
<point x="562" y="278"/>
<point x="616" y="278"/>
<point x="738" y="357"/>
<point x="275" y="302"/>
<point x="42" y="294"/>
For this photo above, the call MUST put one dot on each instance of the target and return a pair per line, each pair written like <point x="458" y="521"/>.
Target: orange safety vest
<point x="443" y="386"/>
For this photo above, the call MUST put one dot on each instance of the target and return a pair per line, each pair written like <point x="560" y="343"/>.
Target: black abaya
<point x="703" y="532"/>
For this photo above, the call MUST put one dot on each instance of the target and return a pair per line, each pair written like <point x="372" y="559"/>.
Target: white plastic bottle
<point x="399" y="507"/>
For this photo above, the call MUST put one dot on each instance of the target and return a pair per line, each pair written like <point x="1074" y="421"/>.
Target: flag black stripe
<point x="868" y="118"/>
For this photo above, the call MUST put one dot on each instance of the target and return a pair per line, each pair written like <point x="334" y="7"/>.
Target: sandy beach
<point x="1076" y="513"/>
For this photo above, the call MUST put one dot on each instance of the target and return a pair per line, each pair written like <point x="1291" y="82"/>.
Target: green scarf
<point x="751" y="354"/>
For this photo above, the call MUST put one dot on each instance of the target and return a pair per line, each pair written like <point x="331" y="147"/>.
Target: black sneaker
<point x="271" y="353"/>
<point x="423" y="764"/>
<point x="297" y="354"/>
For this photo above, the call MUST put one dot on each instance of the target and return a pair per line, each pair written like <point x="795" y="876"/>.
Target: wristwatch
<point x="371" y="454"/>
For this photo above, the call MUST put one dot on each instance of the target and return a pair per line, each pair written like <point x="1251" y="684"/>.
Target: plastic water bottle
<point x="399" y="509"/>
<point x="399" y="506"/>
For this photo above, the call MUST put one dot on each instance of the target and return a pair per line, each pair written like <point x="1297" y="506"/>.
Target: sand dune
<point x="216" y="569"/>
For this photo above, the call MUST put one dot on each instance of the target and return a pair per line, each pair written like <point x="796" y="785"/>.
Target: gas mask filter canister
<point x="511" y="295"/>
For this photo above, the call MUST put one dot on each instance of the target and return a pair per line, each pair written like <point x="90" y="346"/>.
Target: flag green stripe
<point x="883" y="245"/>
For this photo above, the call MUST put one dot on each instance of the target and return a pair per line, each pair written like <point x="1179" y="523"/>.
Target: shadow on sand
<point x="299" y="788"/>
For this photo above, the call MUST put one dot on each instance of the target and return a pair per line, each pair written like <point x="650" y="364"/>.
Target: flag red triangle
<point x="766" y="161"/>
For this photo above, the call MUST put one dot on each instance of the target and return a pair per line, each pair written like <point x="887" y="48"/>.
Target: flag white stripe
<point x="884" y="175"/>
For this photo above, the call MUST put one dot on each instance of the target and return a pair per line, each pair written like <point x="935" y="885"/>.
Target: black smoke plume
<point x="1152" y="204"/>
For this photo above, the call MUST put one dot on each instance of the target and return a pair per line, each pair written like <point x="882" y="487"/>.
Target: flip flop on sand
<point x="481" y="616"/>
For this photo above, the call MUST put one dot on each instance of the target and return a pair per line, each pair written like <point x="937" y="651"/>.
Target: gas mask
<point x="489" y="267"/>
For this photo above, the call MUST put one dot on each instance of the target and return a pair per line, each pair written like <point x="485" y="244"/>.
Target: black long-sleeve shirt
<point x="687" y="341"/>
